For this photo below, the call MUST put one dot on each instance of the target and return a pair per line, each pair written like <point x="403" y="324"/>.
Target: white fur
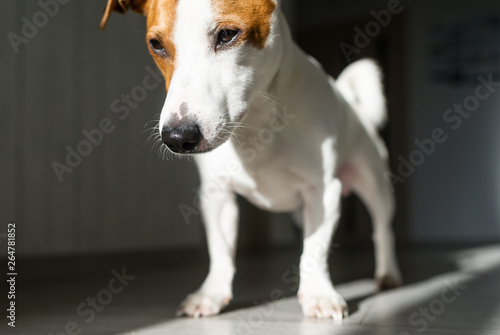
<point x="360" y="84"/>
<point x="217" y="86"/>
<point x="325" y="143"/>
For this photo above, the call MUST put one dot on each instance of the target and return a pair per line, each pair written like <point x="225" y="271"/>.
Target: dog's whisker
<point x="153" y="135"/>
<point x="267" y="96"/>
<point x="156" y="121"/>
<point x="150" y="130"/>
<point x="230" y="135"/>
<point x="153" y="147"/>
<point x="158" y="145"/>
<point x="156" y="125"/>
<point x="233" y="125"/>
<point x="237" y="137"/>
<point x="155" y="142"/>
<point x="241" y="126"/>
<point x="161" y="152"/>
<point x="152" y="138"/>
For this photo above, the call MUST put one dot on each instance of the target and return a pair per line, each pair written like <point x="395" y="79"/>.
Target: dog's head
<point x="215" y="55"/>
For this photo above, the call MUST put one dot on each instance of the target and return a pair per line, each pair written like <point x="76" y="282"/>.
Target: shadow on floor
<point x="147" y="305"/>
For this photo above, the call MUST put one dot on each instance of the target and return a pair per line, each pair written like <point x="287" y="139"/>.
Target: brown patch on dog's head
<point x="160" y="20"/>
<point x="161" y="27"/>
<point x="252" y="17"/>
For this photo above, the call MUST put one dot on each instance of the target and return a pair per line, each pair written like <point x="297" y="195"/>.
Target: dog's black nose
<point x="181" y="139"/>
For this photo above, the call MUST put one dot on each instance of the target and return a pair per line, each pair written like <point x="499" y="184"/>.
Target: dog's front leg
<point x="321" y="213"/>
<point x="220" y="214"/>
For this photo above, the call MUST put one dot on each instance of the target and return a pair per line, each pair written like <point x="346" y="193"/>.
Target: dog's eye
<point x="157" y="47"/>
<point x="226" y="36"/>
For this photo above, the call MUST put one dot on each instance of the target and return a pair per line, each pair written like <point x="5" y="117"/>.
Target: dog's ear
<point x="121" y="6"/>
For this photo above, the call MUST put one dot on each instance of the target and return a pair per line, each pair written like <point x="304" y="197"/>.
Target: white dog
<point x="247" y="101"/>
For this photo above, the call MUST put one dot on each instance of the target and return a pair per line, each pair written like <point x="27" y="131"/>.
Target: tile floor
<point x="447" y="292"/>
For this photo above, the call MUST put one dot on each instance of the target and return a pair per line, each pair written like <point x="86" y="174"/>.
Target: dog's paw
<point x="388" y="282"/>
<point x="324" y="307"/>
<point x="198" y="305"/>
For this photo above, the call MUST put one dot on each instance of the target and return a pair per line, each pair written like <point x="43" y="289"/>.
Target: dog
<point x="244" y="99"/>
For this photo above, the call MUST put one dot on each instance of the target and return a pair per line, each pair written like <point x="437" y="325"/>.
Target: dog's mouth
<point x="204" y="147"/>
<point x="188" y="149"/>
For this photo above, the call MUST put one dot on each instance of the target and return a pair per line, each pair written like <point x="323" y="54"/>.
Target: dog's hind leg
<point x="368" y="181"/>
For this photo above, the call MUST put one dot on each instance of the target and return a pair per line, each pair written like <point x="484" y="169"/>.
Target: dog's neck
<point x="276" y="96"/>
<point x="280" y="84"/>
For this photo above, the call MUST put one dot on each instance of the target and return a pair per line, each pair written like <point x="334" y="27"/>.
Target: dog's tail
<point x="361" y="85"/>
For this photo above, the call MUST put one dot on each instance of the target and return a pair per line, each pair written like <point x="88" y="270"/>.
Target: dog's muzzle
<point x="182" y="138"/>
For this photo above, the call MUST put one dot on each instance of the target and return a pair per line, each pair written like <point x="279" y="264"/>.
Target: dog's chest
<point x="265" y="179"/>
<point x="271" y="186"/>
